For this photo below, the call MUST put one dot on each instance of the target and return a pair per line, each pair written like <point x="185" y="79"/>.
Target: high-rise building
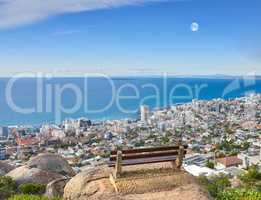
<point x="144" y="113"/>
<point x="2" y="154"/>
<point x="4" y="131"/>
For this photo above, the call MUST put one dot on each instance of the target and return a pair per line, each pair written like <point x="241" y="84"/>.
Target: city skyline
<point x="184" y="37"/>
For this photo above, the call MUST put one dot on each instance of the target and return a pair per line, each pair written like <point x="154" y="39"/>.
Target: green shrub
<point x="31" y="188"/>
<point x="8" y="187"/>
<point x="27" y="197"/>
<point x="210" y="165"/>
<point x="252" y="177"/>
<point x="239" y="194"/>
<point x="215" y="184"/>
<point x="30" y="197"/>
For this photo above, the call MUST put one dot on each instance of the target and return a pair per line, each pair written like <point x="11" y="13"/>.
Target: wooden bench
<point x="173" y="154"/>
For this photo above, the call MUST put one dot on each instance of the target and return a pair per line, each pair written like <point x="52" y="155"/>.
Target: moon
<point x="194" y="27"/>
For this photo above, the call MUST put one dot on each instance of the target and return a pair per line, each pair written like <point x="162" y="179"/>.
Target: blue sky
<point x="130" y="36"/>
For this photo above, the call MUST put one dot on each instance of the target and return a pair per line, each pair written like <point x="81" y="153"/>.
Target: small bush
<point x="30" y="197"/>
<point x="210" y="165"/>
<point x="32" y="188"/>
<point x="252" y="177"/>
<point x="8" y="187"/>
<point x="215" y="184"/>
<point x="27" y="197"/>
<point x="239" y="194"/>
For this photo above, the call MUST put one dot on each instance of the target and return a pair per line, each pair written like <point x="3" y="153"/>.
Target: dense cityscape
<point x="214" y="129"/>
<point x="223" y="139"/>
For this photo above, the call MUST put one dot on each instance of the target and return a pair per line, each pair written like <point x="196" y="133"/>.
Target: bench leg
<point x="179" y="160"/>
<point x="174" y="165"/>
<point x="118" y="166"/>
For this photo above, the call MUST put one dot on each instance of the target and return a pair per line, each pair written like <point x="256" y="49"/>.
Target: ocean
<point x="33" y="101"/>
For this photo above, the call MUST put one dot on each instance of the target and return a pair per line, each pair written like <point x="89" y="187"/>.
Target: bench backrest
<point x="148" y="152"/>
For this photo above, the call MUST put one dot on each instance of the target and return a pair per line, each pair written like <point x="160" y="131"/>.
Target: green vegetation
<point x="32" y="188"/>
<point x="231" y="148"/>
<point x="239" y="194"/>
<point x="30" y="197"/>
<point x="165" y="140"/>
<point x="252" y="178"/>
<point x="28" y="191"/>
<point x="215" y="184"/>
<point x="210" y="165"/>
<point x="140" y="143"/>
<point x="7" y="187"/>
<point x="27" y="197"/>
<point x="219" y="186"/>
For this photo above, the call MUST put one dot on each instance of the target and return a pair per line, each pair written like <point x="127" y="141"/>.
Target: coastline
<point x="99" y="93"/>
<point x="134" y="119"/>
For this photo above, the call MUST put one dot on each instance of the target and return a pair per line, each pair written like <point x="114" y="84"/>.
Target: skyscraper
<point x="4" y="132"/>
<point x="144" y="113"/>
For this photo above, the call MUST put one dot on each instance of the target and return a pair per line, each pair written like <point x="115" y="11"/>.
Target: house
<point x="230" y="161"/>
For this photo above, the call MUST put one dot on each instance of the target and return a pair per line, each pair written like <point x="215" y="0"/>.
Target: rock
<point x="83" y="185"/>
<point x="5" y="168"/>
<point x="55" y="188"/>
<point x="42" y="169"/>
<point x="25" y="174"/>
<point x="52" y="163"/>
<point x="94" y="184"/>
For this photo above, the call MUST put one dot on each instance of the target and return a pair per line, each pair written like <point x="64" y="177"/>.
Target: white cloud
<point x="21" y="12"/>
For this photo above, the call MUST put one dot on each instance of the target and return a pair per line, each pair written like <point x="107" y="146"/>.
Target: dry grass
<point x="151" y="179"/>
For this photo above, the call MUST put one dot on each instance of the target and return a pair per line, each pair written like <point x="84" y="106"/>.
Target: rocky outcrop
<point x="42" y="169"/>
<point x="94" y="184"/>
<point x="85" y="183"/>
<point x="55" y="188"/>
<point x="25" y="174"/>
<point x="5" y="168"/>
<point x="51" y="162"/>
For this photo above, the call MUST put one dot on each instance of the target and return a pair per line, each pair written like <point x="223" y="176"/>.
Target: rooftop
<point x="230" y="161"/>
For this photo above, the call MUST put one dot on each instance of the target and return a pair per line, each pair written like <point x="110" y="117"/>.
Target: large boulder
<point x="85" y="184"/>
<point x="55" y="188"/>
<point x="25" y="174"/>
<point x="5" y="168"/>
<point x="94" y="184"/>
<point x="52" y="163"/>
